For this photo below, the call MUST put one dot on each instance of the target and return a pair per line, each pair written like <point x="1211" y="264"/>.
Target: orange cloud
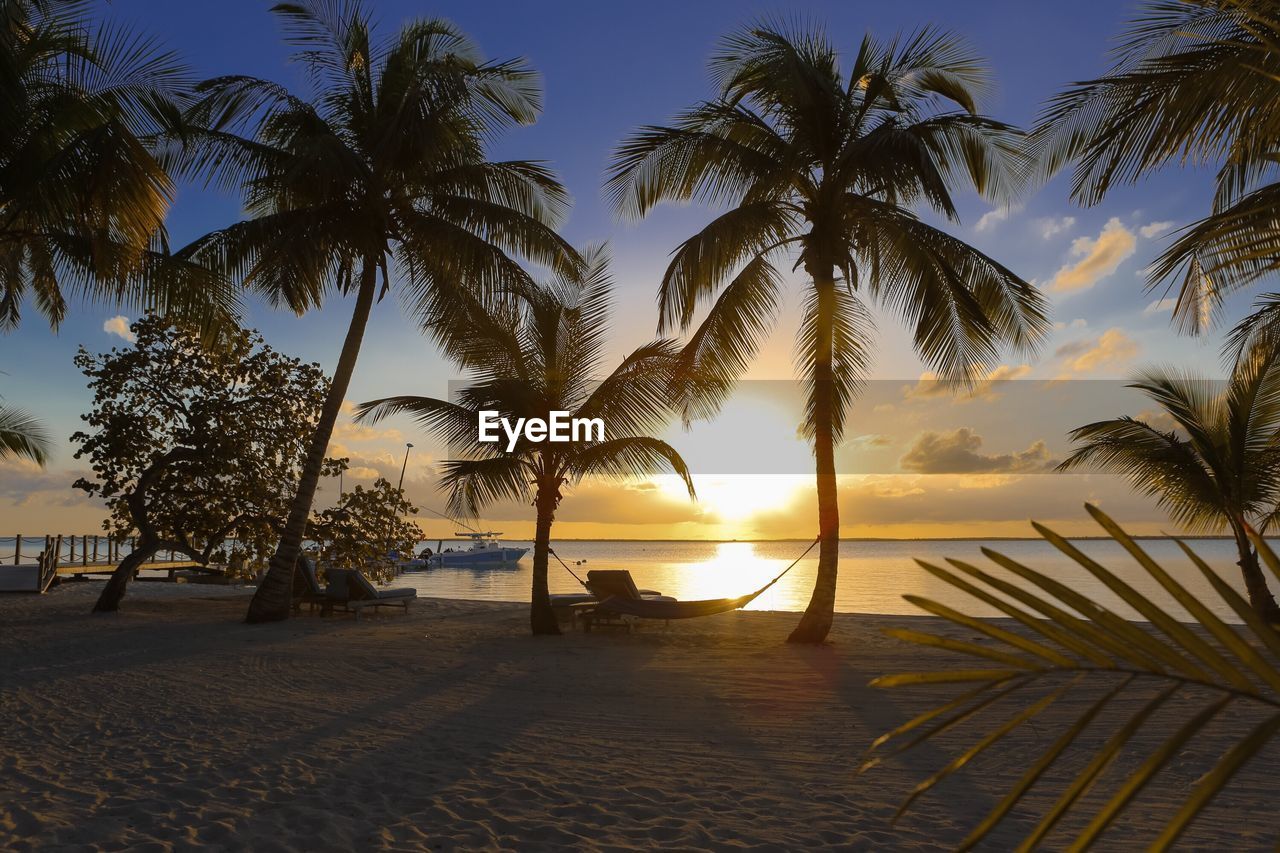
<point x="1098" y="257"/>
<point x="1112" y="349"/>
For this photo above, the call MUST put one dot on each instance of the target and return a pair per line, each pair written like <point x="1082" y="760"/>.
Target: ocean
<point x="874" y="575"/>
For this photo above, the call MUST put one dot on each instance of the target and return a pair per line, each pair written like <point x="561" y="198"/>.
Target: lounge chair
<point x="352" y="591"/>
<point x="608" y="586"/>
<point x="308" y="591"/>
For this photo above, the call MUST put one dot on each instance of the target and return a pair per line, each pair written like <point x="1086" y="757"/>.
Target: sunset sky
<point x="918" y="461"/>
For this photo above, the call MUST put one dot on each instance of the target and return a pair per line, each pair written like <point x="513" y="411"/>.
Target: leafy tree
<point x="22" y="435"/>
<point x="190" y="445"/>
<point x="384" y="167"/>
<point x="528" y="360"/>
<point x="822" y="167"/>
<point x="83" y="189"/>
<point x="1165" y="693"/>
<point x="365" y="526"/>
<point x="1194" y="82"/>
<point x="1219" y="469"/>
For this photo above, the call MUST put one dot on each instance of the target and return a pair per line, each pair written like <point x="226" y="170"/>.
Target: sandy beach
<point x="172" y="724"/>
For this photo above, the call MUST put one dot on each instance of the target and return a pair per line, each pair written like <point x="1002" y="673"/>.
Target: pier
<point x="33" y="563"/>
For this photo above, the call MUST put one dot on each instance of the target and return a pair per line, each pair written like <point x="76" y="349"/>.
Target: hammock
<point x="654" y="609"/>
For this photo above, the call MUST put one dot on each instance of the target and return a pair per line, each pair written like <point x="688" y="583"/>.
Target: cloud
<point x="1004" y="373"/>
<point x="119" y="326"/>
<point x="23" y="481"/>
<point x="960" y="452"/>
<point x="1077" y="323"/>
<point x="930" y="386"/>
<point x="1050" y="226"/>
<point x="1097" y="258"/>
<point x="1160" y="306"/>
<point x="1112" y="348"/>
<point x="867" y="442"/>
<point x="1155" y="228"/>
<point x="348" y="430"/>
<point x="991" y="218"/>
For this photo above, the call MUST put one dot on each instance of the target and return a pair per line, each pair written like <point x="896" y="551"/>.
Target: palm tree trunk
<point x="113" y="592"/>
<point x="1255" y="582"/>
<point x="272" y="602"/>
<point x="815" y="624"/>
<point x="542" y="619"/>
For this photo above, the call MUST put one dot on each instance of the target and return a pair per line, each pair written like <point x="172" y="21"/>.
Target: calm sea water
<point x="873" y="575"/>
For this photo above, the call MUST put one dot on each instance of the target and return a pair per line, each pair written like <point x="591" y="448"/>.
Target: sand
<point x="171" y="724"/>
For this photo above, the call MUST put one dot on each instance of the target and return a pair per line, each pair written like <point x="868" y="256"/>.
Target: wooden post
<point x="95" y="547"/>
<point x="72" y="558"/>
<point x="84" y="550"/>
<point x="17" y="549"/>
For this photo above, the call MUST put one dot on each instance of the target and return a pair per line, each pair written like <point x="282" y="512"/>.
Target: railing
<point x="48" y="563"/>
<point x="74" y="549"/>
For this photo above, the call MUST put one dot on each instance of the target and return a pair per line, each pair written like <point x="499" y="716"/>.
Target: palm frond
<point x="1158" y="464"/>
<point x="847" y="325"/>
<point x="455" y="424"/>
<point x="474" y="484"/>
<point x="1124" y="675"/>
<point x="1219" y="255"/>
<point x="726" y="340"/>
<point x="1192" y="83"/>
<point x="22" y="435"/>
<point x="629" y="457"/>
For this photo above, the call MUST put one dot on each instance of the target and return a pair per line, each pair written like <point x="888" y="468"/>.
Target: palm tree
<point x="1193" y="82"/>
<point x="1219" y="469"/>
<point x="83" y="190"/>
<point x="22" y="435"/>
<point x="527" y="360"/>
<point x="383" y="168"/>
<point x="825" y="166"/>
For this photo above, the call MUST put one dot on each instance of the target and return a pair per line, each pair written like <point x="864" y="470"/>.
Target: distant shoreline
<point x="870" y="539"/>
<point x="1146" y="538"/>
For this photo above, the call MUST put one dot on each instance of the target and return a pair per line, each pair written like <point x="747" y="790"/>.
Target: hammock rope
<point x="552" y="552"/>
<point x="651" y="609"/>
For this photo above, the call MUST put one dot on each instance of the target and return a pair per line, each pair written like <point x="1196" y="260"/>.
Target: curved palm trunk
<point x="1255" y="582"/>
<point x="113" y="592"/>
<point x="542" y="619"/>
<point x="272" y="602"/>
<point x="815" y="624"/>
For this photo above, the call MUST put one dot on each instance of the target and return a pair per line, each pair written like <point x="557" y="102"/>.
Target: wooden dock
<point x="107" y="568"/>
<point x="74" y="557"/>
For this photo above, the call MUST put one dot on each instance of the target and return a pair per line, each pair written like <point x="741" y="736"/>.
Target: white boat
<point x="484" y="550"/>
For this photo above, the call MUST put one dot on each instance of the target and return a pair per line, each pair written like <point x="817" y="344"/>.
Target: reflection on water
<point x="873" y="575"/>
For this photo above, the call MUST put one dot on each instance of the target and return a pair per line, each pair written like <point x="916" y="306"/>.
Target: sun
<point x="738" y="497"/>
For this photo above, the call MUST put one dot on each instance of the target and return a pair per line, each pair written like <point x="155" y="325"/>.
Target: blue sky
<point x="609" y="67"/>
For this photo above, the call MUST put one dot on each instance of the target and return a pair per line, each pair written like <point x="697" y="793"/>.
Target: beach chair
<point x="350" y="590"/>
<point x="306" y="586"/>
<point x="609" y="586"/>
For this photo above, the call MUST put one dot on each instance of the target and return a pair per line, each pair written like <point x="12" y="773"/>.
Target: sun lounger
<point x="306" y="586"/>
<point x="350" y="590"/>
<point x="611" y="584"/>
<point x="569" y="605"/>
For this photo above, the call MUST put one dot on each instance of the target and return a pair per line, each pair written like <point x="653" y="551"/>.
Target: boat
<point x="484" y="550"/>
